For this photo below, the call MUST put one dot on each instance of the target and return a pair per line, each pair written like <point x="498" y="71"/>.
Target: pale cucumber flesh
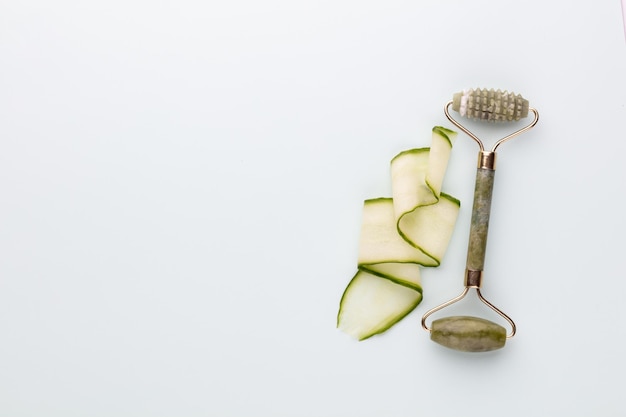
<point x="371" y="305"/>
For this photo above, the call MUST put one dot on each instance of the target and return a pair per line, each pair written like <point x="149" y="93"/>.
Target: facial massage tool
<point x="468" y="333"/>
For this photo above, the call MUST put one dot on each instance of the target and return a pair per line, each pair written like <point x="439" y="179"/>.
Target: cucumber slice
<point x="371" y="305"/>
<point x="408" y="180"/>
<point x="398" y="236"/>
<point x="429" y="228"/>
<point x="440" y="149"/>
<point x="417" y="174"/>
<point x="380" y="241"/>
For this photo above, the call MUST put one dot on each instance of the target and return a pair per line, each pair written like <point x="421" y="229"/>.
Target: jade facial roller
<point x="467" y="333"/>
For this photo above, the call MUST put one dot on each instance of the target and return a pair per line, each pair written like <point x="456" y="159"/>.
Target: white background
<point x="181" y="185"/>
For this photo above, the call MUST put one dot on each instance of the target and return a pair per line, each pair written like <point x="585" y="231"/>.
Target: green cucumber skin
<point x="395" y="280"/>
<point x="451" y="199"/>
<point x="435" y="261"/>
<point x="408" y="151"/>
<point x="480" y="219"/>
<point x="445" y="133"/>
<point x="378" y="200"/>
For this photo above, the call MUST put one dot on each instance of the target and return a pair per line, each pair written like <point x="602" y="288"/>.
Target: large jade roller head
<point x="468" y="333"/>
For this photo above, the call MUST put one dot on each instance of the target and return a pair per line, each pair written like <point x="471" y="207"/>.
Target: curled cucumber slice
<point x="399" y="235"/>
<point x="372" y="304"/>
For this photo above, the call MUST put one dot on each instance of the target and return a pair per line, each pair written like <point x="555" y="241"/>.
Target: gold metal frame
<point x="473" y="278"/>
<point x="499" y="142"/>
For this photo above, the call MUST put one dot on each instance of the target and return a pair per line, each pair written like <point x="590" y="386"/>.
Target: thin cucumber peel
<point x="399" y="235"/>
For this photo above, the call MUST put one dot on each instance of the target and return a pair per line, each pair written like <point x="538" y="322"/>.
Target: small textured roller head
<point x="490" y="105"/>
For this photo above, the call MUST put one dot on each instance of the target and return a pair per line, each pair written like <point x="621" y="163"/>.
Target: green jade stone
<point x="480" y="219"/>
<point x="468" y="334"/>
